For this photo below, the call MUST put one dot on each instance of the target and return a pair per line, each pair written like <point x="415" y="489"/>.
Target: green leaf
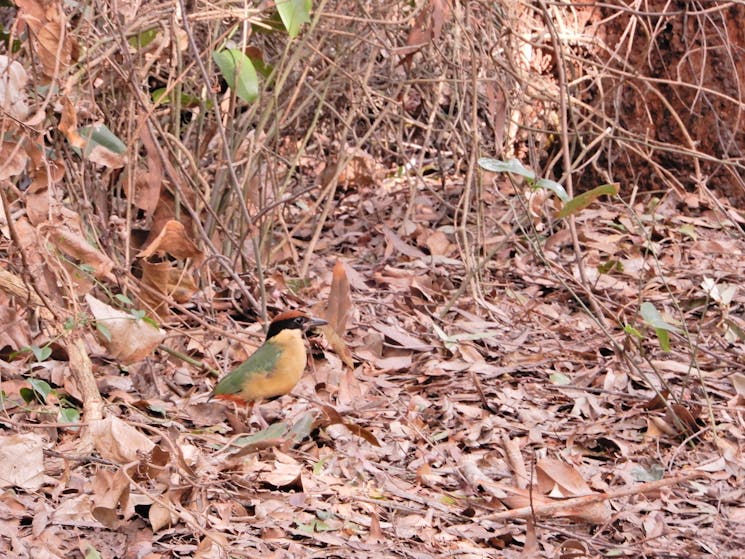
<point x="294" y="14"/>
<point x="318" y="466"/>
<point x="509" y="166"/>
<point x="655" y="472"/>
<point x="69" y="415"/>
<point x="143" y="39"/>
<point x="610" y="265"/>
<point x="514" y="166"/>
<point x="559" y="379"/>
<point x="663" y="336"/>
<point x="139" y="314"/>
<point x="302" y="428"/>
<point x="689" y="230"/>
<point x="158" y="410"/>
<point x="583" y="200"/>
<point x="100" y="135"/>
<point x="39" y="391"/>
<point x="448" y="500"/>
<point x="451" y="341"/>
<point x="239" y="72"/>
<point x="150" y="321"/>
<point x="263" y="68"/>
<point x="40" y="353"/>
<point x="654" y="319"/>
<point x="733" y="332"/>
<point x="92" y="553"/>
<point x="69" y="323"/>
<point x="554" y="187"/>
<point x="633" y="331"/>
<point x="273" y="432"/>
<point x="163" y="97"/>
<point x="123" y="299"/>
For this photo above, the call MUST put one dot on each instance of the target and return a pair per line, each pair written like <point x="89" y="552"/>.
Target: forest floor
<point x="498" y="380"/>
<point x="497" y="425"/>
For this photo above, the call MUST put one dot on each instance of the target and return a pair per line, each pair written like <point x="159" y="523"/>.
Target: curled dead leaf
<point x="118" y="441"/>
<point x="110" y="490"/>
<point x="173" y="240"/>
<point x="335" y="418"/>
<point x="338" y="311"/>
<point x="22" y="461"/>
<point x="129" y="338"/>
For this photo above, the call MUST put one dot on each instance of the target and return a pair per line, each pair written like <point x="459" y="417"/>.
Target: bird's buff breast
<point x="287" y="372"/>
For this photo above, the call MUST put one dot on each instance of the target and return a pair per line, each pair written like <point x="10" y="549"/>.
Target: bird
<point x="275" y="367"/>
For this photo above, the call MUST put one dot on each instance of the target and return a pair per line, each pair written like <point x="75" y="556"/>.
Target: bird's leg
<point x="259" y="417"/>
<point x="240" y="421"/>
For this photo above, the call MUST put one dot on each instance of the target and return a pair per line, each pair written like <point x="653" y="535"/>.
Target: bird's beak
<point x="314" y="322"/>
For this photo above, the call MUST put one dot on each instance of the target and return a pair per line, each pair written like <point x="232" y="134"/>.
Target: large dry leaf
<point x="560" y="479"/>
<point x="358" y="168"/>
<point x="110" y="490"/>
<point x="338" y="310"/>
<point x="44" y="279"/>
<point x="118" y="441"/>
<point x="396" y="244"/>
<point x="285" y="471"/>
<point x="74" y="245"/>
<point x="173" y="240"/>
<point x="46" y="22"/>
<point x="147" y="181"/>
<point x="14" y="332"/>
<point x="13" y="79"/>
<point x="165" y="281"/>
<point x="22" y="461"/>
<point x="13" y="159"/>
<point x="162" y="514"/>
<point x="130" y="339"/>
<point x="427" y="27"/>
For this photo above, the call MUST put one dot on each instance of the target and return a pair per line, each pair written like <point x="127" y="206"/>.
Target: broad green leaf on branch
<point x="100" y="135"/>
<point x="40" y="391"/>
<point x="661" y="327"/>
<point x="514" y="166"/>
<point x="633" y="331"/>
<point x="96" y="143"/>
<point x="554" y="187"/>
<point x="69" y="415"/>
<point x="654" y="319"/>
<point x="294" y="14"/>
<point x="509" y="166"/>
<point x="239" y="73"/>
<point x="40" y="353"/>
<point x="583" y="200"/>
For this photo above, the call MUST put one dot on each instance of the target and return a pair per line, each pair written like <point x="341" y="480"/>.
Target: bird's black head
<point x="293" y="320"/>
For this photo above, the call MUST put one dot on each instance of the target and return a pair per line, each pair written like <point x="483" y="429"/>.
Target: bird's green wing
<point x="261" y="362"/>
